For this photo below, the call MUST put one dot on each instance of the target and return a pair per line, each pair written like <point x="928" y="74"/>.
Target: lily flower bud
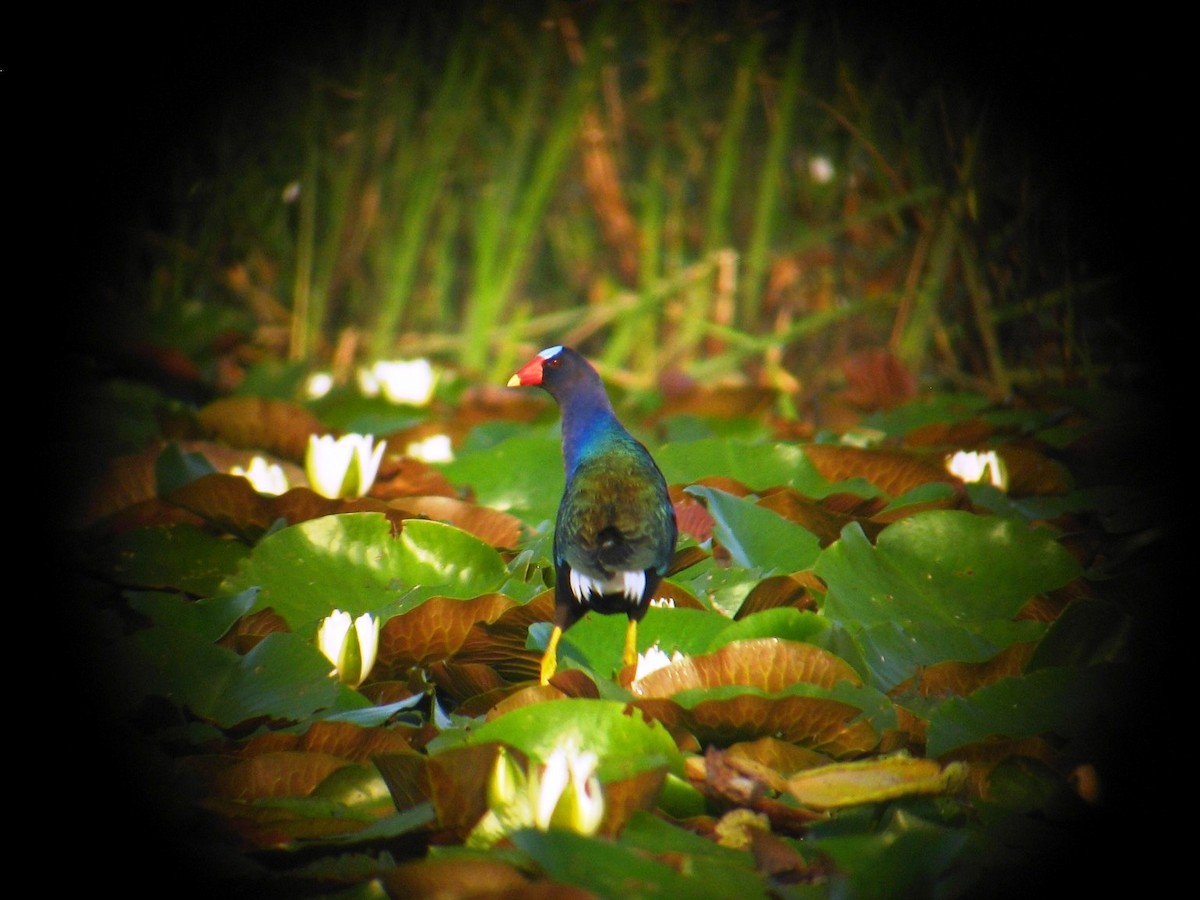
<point x="350" y="645"/>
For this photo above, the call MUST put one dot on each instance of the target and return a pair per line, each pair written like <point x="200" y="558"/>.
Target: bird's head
<point x="565" y="375"/>
<point x="543" y="366"/>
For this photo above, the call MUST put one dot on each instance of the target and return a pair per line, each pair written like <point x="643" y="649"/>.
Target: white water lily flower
<point x="266" y="478"/>
<point x="653" y="660"/>
<point x="566" y="793"/>
<point x="974" y="467"/>
<point x="345" y="466"/>
<point x="350" y="646"/>
<point x="434" y="449"/>
<point x="317" y="385"/>
<point x="402" y="381"/>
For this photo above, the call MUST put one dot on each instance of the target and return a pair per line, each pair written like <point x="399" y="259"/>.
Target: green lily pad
<point x="939" y="585"/>
<point x="755" y="537"/>
<point x="755" y="465"/>
<point x="180" y="557"/>
<point x="352" y="562"/>
<point x="523" y="476"/>
<point x="612" y="870"/>
<point x="625" y="742"/>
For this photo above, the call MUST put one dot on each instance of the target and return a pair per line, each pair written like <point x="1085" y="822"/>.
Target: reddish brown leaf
<point x="693" y="518"/>
<point x="250" y="629"/>
<point x="955" y="678"/>
<point x="961" y="435"/>
<point x="501" y="644"/>
<point x="403" y="476"/>
<point x="780" y="591"/>
<point x="275" y="426"/>
<point x="893" y="471"/>
<point x="768" y="664"/>
<point x="493" y="527"/>
<point x="287" y="773"/>
<point x="460" y="681"/>
<point x="778" y="755"/>
<point x="231" y="503"/>
<point x="458" y="780"/>
<point x="730" y="402"/>
<point x="685" y="558"/>
<point x="407" y="777"/>
<point x="483" y="704"/>
<point x="810" y="514"/>
<point x="435" y="630"/>
<point x="820" y="724"/>
<point x="462" y="877"/>
<point x="1032" y="473"/>
<point x="623" y="798"/>
<point x="352" y="742"/>
<point x="876" y="379"/>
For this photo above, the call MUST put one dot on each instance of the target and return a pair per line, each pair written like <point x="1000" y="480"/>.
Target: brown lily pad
<point x="276" y="426"/>
<point x="768" y="664"/>
<point x="895" y="472"/>
<point x="820" y="724"/>
<point x="435" y="630"/>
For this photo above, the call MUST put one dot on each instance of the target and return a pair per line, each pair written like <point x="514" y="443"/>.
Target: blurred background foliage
<point x="750" y="192"/>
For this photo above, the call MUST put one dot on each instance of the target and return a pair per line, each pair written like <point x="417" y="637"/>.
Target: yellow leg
<point x="550" y="657"/>
<point x="631" y="643"/>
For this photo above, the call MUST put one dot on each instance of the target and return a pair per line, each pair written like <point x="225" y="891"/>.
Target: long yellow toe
<point x="631" y="643"/>
<point x="550" y="657"/>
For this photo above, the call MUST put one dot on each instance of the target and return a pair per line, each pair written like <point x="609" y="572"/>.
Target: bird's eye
<point x="554" y="363"/>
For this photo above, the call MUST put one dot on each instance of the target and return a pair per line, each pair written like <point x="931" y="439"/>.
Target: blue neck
<point x="587" y="421"/>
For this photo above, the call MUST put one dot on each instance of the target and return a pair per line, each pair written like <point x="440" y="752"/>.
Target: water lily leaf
<point x="352" y="562"/>
<point x="823" y="724"/>
<point x="597" y="642"/>
<point x="282" y="678"/>
<point x="793" y="590"/>
<point x="349" y="741"/>
<point x="522" y="476"/>
<point x="436" y="629"/>
<point x="454" y="781"/>
<point x="176" y="467"/>
<point x="758" y="538"/>
<point x="758" y="465"/>
<point x="894" y="654"/>
<point x="283" y="773"/>
<point x="785" y="622"/>
<point x="813" y="515"/>
<point x="612" y="870"/>
<point x="624" y="741"/>
<point x="231" y="503"/>
<point x="944" y="583"/>
<point x="894" y="472"/>
<point x="491" y="526"/>
<point x="209" y="618"/>
<point x="461" y="681"/>
<point x="779" y="756"/>
<point x="1061" y="701"/>
<point x="276" y="426"/>
<point x="180" y="557"/>
<point x="873" y="781"/>
<point x="908" y="855"/>
<point x="461" y="877"/>
<point x="767" y="664"/>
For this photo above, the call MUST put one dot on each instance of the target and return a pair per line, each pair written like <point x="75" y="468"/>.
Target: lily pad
<point x="354" y="563"/>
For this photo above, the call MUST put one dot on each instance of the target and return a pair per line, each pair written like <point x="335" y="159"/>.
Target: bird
<point x="615" y="530"/>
